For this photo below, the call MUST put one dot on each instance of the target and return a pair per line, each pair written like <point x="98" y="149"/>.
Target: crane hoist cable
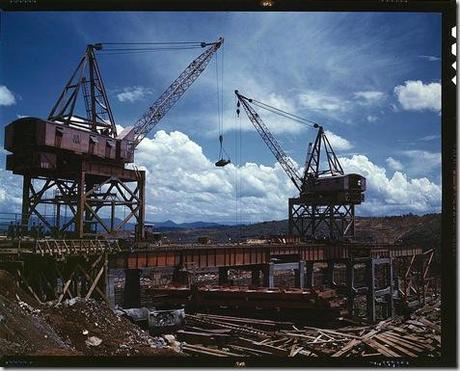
<point x="288" y="115"/>
<point x="223" y="161"/>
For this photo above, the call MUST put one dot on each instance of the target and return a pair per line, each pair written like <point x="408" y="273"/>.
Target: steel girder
<point x="332" y="221"/>
<point x="91" y="203"/>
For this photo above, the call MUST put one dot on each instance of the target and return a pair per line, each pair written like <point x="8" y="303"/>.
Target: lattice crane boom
<point x="270" y="140"/>
<point x="174" y="92"/>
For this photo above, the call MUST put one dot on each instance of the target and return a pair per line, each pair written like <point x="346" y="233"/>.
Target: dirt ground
<point x="74" y="327"/>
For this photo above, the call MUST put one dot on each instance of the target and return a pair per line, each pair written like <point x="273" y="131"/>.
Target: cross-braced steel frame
<point x="314" y="221"/>
<point x="92" y="201"/>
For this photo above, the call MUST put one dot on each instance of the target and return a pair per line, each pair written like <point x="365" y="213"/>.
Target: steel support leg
<point x="180" y="276"/>
<point x="25" y="201"/>
<point x="370" y="273"/>
<point x="132" y="288"/>
<point x="309" y="281"/>
<point x="350" y="287"/>
<point x="110" y="287"/>
<point x="269" y="271"/>
<point x="391" y="283"/>
<point x="330" y="274"/>
<point x="255" y="277"/>
<point x="300" y="275"/>
<point x="223" y="276"/>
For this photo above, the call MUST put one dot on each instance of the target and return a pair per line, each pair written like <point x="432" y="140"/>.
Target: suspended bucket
<point x="222" y="162"/>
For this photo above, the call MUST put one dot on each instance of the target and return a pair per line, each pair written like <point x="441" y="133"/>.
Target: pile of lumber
<point x="227" y="336"/>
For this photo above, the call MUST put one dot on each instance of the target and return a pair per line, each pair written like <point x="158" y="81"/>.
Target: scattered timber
<point x="228" y="336"/>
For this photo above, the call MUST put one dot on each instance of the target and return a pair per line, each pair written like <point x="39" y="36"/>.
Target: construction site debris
<point x="226" y="336"/>
<point x="78" y="326"/>
<point x="156" y="321"/>
<point x="93" y="341"/>
<point x="320" y="304"/>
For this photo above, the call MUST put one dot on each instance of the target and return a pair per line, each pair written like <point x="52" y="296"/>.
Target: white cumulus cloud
<point x="133" y="94"/>
<point x="394" y="164"/>
<point x="10" y="192"/>
<point x="398" y="194"/>
<point x="6" y="96"/>
<point x="418" y="96"/>
<point x="184" y="185"/>
<point x="337" y="142"/>
<point x="423" y="162"/>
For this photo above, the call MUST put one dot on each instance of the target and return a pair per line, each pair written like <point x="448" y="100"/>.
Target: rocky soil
<point x="74" y="327"/>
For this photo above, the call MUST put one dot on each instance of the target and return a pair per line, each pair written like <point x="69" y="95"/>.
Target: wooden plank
<point x="347" y="347"/>
<point x="211" y="331"/>
<point x="257" y="352"/>
<point x="380" y="348"/>
<point x="96" y="280"/>
<point x="333" y="332"/>
<point x="328" y="341"/>
<point x="403" y="336"/>
<point x="430" y="324"/>
<point x="383" y="339"/>
<point x="269" y="348"/>
<point x="187" y="348"/>
<point x="295" y="351"/>
<point x="417" y="346"/>
<point x="210" y="350"/>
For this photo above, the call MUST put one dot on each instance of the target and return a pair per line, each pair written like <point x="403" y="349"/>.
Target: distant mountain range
<point x="169" y="224"/>
<point x="421" y="230"/>
<point x="161" y="226"/>
<point x="412" y="229"/>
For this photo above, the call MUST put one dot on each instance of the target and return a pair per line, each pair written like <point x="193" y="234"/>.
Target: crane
<point x="99" y="118"/>
<point x="77" y="153"/>
<point x="324" y="194"/>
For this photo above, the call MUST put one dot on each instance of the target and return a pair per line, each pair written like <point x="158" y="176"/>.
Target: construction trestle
<point x="55" y="270"/>
<point x="59" y="269"/>
<point x="264" y="260"/>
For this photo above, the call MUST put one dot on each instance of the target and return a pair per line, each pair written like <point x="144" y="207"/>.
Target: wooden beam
<point x="95" y="282"/>
<point x="66" y="286"/>
<point x="21" y="277"/>
<point x="88" y="277"/>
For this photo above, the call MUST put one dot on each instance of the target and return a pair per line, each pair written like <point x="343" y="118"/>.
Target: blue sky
<point x="372" y="80"/>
